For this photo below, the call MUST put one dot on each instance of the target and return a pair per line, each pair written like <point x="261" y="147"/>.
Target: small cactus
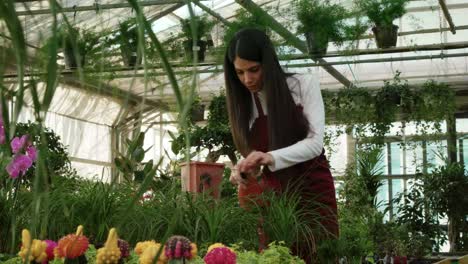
<point x="73" y="247"/>
<point x="179" y="247"/>
<point x="124" y="248"/>
<point x="220" y="255"/>
<point x="110" y="253"/>
<point x="34" y="250"/>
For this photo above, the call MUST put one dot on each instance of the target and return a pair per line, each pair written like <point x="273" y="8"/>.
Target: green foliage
<point x="416" y="212"/>
<point x="201" y="24"/>
<point x="76" y="42"/>
<point x="434" y="102"/>
<point x="383" y="12"/>
<point x="369" y="171"/>
<point x="389" y="100"/>
<point x="276" y="253"/>
<point x="372" y="114"/>
<point x="445" y="191"/>
<point x="245" y="19"/>
<point x="127" y="37"/>
<point x="56" y="157"/>
<point x="215" y="136"/>
<point x="325" y="20"/>
<point x="131" y="164"/>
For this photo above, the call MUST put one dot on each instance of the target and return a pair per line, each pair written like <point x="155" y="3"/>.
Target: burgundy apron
<point x="316" y="181"/>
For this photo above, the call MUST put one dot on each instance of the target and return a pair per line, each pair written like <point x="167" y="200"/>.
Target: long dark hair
<point x="286" y="125"/>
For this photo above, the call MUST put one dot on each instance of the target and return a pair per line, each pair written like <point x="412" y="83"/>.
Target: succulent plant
<point x="220" y="255"/>
<point x="124" y="248"/>
<point x="73" y="247"/>
<point x="179" y="247"/>
<point x="110" y="253"/>
<point x="34" y="250"/>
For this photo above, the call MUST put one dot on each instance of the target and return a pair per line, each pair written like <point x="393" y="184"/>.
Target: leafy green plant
<point x="201" y="24"/>
<point x="445" y="190"/>
<point x="57" y="159"/>
<point x="434" y="102"/>
<point x="415" y="211"/>
<point x="354" y="107"/>
<point x="131" y="164"/>
<point x="393" y="97"/>
<point x="128" y="41"/>
<point x="76" y="44"/>
<point x="215" y="136"/>
<point x="321" y="22"/>
<point x="245" y="19"/>
<point x="383" y="12"/>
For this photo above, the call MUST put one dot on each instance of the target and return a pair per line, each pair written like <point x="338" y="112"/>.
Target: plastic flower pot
<point x="199" y="177"/>
<point x="385" y="36"/>
<point x="317" y="44"/>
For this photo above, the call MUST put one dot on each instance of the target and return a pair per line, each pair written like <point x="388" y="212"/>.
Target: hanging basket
<point x="317" y="44"/>
<point x="131" y="59"/>
<point x="198" y="113"/>
<point x="385" y="36"/>
<point x="201" y="46"/>
<point x="71" y="58"/>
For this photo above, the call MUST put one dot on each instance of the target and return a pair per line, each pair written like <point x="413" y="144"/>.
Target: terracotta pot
<point x="198" y="177"/>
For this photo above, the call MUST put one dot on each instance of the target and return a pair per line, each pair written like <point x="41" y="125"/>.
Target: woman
<point x="277" y="121"/>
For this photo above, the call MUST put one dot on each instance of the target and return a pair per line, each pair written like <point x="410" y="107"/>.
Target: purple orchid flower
<point x="2" y="134"/>
<point x="19" y="143"/>
<point x="19" y="165"/>
<point x="31" y="151"/>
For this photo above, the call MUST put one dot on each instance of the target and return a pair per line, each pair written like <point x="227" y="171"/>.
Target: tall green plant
<point x="324" y="19"/>
<point x="383" y="12"/>
<point x="445" y="188"/>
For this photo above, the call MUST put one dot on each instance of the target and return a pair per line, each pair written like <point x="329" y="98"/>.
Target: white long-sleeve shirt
<point x="305" y="90"/>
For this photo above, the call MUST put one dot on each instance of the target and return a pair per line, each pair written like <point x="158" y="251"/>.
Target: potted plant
<point x="128" y="41"/>
<point x="197" y="110"/>
<point x="215" y="137"/>
<point x="321" y="22"/>
<point x="202" y="27"/>
<point x="382" y="13"/>
<point x="76" y="44"/>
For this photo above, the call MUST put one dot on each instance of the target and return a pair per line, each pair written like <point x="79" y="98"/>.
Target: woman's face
<point x="249" y="73"/>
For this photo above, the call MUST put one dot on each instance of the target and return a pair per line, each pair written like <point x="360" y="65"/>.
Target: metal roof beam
<point x="443" y="5"/>
<point x="250" y="6"/>
<point x="98" y="7"/>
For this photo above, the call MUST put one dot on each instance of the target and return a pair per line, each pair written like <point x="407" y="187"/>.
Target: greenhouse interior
<point x="125" y="134"/>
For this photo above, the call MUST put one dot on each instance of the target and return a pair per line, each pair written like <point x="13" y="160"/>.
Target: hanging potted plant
<point x="202" y="28"/>
<point x="128" y="41"/>
<point x="382" y="13"/>
<point x="75" y="44"/>
<point x="197" y="110"/>
<point x="321" y="22"/>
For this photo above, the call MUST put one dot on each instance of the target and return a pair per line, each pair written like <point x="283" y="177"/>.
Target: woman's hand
<point x="253" y="162"/>
<point x="237" y="178"/>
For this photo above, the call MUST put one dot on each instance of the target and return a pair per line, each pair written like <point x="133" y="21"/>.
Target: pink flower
<point x="32" y="153"/>
<point x="220" y="255"/>
<point x="19" y="143"/>
<point x="13" y="170"/>
<point x="19" y="164"/>
<point x="51" y="245"/>
<point x="2" y="134"/>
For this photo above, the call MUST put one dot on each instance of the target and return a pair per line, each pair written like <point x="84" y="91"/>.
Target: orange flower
<point x="72" y="246"/>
